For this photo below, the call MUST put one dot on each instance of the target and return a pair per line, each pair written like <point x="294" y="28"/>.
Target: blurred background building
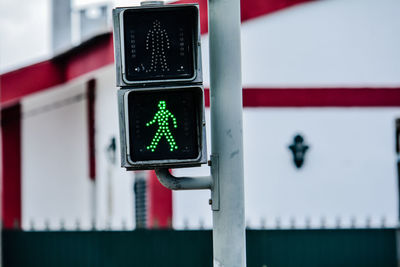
<point x="321" y="98"/>
<point x="325" y="71"/>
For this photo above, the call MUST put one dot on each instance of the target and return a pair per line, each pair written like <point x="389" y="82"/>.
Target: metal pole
<point x="398" y="209"/>
<point x="398" y="191"/>
<point x="93" y="193"/>
<point x="140" y="199"/>
<point x="229" y="239"/>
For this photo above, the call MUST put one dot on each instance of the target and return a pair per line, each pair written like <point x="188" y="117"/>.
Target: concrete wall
<point x="55" y="175"/>
<point x="349" y="170"/>
<point x="115" y="203"/>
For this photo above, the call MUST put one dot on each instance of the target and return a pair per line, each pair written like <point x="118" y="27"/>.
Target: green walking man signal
<point x="162" y="118"/>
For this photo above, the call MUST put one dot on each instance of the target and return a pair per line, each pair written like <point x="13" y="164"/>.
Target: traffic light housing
<point x="157" y="44"/>
<point x="161" y="97"/>
<point x="162" y="127"/>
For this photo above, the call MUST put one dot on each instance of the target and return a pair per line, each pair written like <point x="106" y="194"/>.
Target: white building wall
<point x="55" y="183"/>
<point x="115" y="185"/>
<point x="349" y="171"/>
<point x="322" y="43"/>
<point x="350" y="167"/>
<point x="56" y="188"/>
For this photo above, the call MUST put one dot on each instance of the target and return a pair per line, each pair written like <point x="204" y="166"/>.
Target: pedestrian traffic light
<point x="163" y="127"/>
<point x="155" y="44"/>
<point x="161" y="100"/>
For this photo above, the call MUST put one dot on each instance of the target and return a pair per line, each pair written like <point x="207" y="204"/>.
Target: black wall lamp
<point x="299" y="149"/>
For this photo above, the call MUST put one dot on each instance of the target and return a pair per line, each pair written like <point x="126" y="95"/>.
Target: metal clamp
<point x="183" y="183"/>
<point x="193" y="183"/>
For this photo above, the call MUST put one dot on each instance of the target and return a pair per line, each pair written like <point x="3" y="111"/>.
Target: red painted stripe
<point x="92" y="56"/>
<point x="11" y="166"/>
<point x="91" y="94"/>
<point x="318" y="97"/>
<point x="87" y="57"/>
<point x="159" y="203"/>
<point x="249" y="9"/>
<point x="28" y="80"/>
<point x="252" y="97"/>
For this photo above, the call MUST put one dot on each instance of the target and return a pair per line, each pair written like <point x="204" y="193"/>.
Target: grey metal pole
<point x="229" y="239"/>
<point x="397" y="134"/>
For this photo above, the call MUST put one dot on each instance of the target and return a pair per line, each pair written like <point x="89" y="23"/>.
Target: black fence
<point x="160" y="248"/>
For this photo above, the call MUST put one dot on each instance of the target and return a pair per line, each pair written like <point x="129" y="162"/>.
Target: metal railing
<point x="265" y="248"/>
<point x="271" y="223"/>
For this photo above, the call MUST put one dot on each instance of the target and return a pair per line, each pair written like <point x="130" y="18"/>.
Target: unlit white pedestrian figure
<point x="157" y="43"/>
